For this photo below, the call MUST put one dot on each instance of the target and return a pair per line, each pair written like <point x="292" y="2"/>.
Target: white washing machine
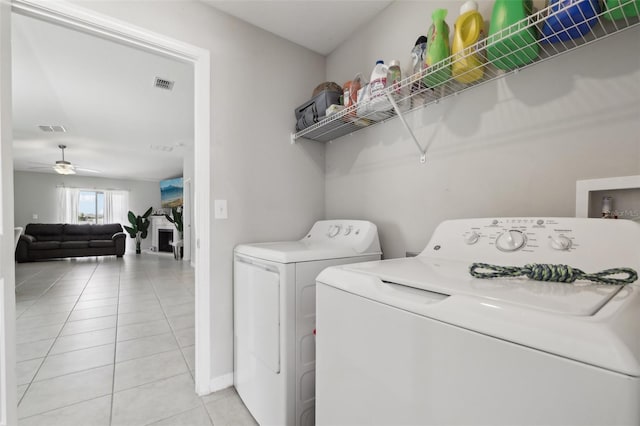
<point x="419" y="341"/>
<point x="274" y="316"/>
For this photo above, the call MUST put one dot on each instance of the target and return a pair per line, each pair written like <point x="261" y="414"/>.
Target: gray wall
<point x="275" y="190"/>
<point x="35" y="193"/>
<point x="511" y="147"/>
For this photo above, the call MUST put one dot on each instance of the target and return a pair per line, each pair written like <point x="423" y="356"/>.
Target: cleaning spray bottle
<point x="466" y="65"/>
<point x="517" y="46"/>
<point x="438" y="50"/>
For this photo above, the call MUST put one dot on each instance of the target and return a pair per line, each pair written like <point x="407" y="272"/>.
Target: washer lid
<point x="327" y="239"/>
<point x="297" y="251"/>
<point x="588" y="323"/>
<point x="452" y="278"/>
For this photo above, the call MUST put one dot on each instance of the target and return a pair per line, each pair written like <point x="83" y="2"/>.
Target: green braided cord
<point x="555" y="273"/>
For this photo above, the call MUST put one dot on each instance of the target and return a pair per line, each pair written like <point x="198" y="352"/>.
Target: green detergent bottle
<point x="438" y="51"/>
<point x="620" y="9"/>
<point x="517" y="45"/>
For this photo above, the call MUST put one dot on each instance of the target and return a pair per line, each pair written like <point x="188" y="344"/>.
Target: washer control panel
<point x="508" y="235"/>
<point x="515" y="241"/>
<point x="360" y="234"/>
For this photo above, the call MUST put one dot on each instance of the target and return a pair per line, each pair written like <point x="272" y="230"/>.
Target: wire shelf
<point x="516" y="47"/>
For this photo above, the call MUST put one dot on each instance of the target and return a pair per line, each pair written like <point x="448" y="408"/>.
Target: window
<point x="91" y="207"/>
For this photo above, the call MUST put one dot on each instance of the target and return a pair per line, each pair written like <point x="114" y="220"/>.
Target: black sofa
<point x="55" y="240"/>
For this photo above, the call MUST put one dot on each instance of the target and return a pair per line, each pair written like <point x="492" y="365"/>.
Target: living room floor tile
<point x="148" y="369"/>
<point x="32" y="350"/>
<point x="154" y="401"/>
<point x="74" y="361"/>
<point x="145" y="346"/>
<point x="135" y="311"/>
<point x="102" y="311"/>
<point x="76" y="327"/>
<point x="95" y="412"/>
<point x="150" y="328"/>
<point x="195" y="417"/>
<point x="89" y="339"/>
<point x="66" y="390"/>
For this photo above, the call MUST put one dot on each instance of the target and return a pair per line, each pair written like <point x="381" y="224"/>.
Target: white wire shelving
<point x="500" y="54"/>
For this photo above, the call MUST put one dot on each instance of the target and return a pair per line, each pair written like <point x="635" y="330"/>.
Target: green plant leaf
<point x="147" y="213"/>
<point x="132" y="217"/>
<point x="132" y="232"/>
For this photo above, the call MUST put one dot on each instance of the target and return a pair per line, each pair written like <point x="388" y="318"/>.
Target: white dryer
<point x="274" y="316"/>
<point x="420" y="341"/>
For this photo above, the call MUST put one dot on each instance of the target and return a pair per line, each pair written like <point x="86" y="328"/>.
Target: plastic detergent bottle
<point x="569" y="19"/>
<point x="378" y="81"/>
<point x="517" y="46"/>
<point x="620" y="9"/>
<point x="466" y="65"/>
<point x="395" y="76"/>
<point x="438" y="50"/>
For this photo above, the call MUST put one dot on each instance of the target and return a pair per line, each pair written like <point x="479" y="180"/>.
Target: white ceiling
<point x="318" y="25"/>
<point x="103" y="93"/>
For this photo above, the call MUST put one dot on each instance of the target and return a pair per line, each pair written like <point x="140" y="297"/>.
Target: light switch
<point x="35" y="216"/>
<point x="220" y="207"/>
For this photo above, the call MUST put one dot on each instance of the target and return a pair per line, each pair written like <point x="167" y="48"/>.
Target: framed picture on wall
<point x="171" y="192"/>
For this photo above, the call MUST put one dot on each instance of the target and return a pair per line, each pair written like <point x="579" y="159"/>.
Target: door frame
<point x="78" y="18"/>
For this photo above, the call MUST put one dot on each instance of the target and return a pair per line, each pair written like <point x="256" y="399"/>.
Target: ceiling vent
<point x="50" y="129"/>
<point x="162" y="148"/>
<point x="161" y="83"/>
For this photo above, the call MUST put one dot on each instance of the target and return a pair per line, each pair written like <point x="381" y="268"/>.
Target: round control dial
<point x="511" y="240"/>
<point x="472" y="238"/>
<point x="560" y="242"/>
<point x="348" y="230"/>
<point x="333" y="231"/>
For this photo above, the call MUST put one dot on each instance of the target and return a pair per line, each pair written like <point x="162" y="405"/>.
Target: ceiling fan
<point x="65" y="167"/>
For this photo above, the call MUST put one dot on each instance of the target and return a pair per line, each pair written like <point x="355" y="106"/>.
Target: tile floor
<point x="106" y="341"/>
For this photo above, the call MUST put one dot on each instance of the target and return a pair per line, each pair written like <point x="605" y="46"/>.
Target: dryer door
<point x="258" y="311"/>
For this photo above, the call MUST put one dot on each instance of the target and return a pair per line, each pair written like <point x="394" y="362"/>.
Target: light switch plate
<point x="220" y="207"/>
<point x="35" y="216"/>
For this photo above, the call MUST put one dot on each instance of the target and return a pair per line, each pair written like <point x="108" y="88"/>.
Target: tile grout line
<point x="191" y="373"/>
<point x="115" y="349"/>
<point x="58" y="335"/>
<point x="173" y="331"/>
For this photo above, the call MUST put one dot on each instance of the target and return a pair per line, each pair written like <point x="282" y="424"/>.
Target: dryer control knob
<point x="333" y="231"/>
<point x="511" y="240"/>
<point x="471" y="238"/>
<point x="560" y="242"/>
<point x="348" y="230"/>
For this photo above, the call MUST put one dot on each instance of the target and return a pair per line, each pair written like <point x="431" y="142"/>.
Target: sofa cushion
<point x="76" y="232"/>
<point x="44" y="245"/>
<point x="74" y="244"/>
<point x="105" y="232"/>
<point x="101" y="243"/>
<point x="45" y="231"/>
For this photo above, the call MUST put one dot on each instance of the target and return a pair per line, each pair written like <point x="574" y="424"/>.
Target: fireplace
<point x="165" y="238"/>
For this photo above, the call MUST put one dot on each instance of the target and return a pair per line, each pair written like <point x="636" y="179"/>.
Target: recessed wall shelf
<point x="412" y="94"/>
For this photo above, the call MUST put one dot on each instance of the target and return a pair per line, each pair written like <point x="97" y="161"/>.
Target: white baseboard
<point x="221" y="382"/>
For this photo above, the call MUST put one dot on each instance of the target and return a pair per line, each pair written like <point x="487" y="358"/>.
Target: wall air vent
<point x="162" y="83"/>
<point x="162" y="148"/>
<point x="54" y="128"/>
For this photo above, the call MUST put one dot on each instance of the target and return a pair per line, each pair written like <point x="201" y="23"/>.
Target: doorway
<point x="105" y="27"/>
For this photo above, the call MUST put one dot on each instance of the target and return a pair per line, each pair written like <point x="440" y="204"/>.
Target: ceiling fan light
<point x="64" y="168"/>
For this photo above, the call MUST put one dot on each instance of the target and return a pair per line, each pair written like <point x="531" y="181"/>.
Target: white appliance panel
<point x="420" y="341"/>
<point x="274" y="316"/>
<point x="384" y="366"/>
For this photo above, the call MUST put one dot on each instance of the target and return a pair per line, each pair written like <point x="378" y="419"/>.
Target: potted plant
<point x="139" y="227"/>
<point x="176" y="219"/>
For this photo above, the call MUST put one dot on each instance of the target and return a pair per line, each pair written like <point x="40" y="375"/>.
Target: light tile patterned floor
<point x="106" y="341"/>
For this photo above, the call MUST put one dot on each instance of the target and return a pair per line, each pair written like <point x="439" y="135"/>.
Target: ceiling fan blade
<point x="82" y="169"/>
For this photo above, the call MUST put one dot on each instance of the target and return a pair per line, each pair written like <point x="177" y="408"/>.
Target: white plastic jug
<point x="377" y="86"/>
